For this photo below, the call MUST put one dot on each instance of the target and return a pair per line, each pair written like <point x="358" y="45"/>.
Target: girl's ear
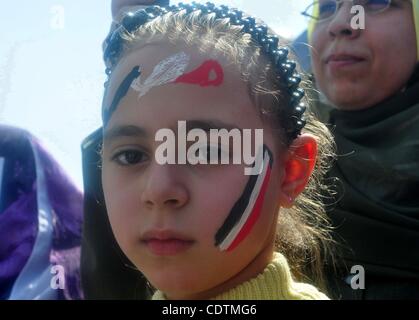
<point x="298" y="166"/>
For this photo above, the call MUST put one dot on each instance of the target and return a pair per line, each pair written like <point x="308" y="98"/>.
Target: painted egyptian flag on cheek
<point x="169" y="70"/>
<point x="248" y="207"/>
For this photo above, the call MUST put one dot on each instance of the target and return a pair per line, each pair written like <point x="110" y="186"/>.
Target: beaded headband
<point x="259" y="33"/>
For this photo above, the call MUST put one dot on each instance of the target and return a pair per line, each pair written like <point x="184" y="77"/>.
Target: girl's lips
<point x="167" y="247"/>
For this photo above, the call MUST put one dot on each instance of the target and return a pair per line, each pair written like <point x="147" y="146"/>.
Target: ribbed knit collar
<point x="274" y="283"/>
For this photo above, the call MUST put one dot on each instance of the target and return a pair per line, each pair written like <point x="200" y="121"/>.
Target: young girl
<point x="190" y="212"/>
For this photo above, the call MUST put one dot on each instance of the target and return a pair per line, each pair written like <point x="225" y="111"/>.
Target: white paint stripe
<point x="167" y="71"/>
<point x="253" y="197"/>
<point x="34" y="281"/>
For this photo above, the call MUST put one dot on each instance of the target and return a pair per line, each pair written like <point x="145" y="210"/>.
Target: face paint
<point x="167" y="71"/>
<point x="247" y="209"/>
<point x="210" y="73"/>
<point x="170" y="70"/>
<point x="121" y="92"/>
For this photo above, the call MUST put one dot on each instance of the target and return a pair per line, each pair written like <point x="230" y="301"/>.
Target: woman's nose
<point x="164" y="188"/>
<point x="340" y="24"/>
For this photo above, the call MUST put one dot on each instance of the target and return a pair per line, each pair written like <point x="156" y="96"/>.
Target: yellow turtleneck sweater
<point x="274" y="283"/>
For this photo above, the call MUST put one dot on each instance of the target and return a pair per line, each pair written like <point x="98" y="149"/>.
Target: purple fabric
<point x="19" y="220"/>
<point x="18" y="228"/>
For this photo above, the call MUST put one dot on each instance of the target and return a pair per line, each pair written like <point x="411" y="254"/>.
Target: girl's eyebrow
<point x="207" y="125"/>
<point x="135" y="131"/>
<point x="124" y="131"/>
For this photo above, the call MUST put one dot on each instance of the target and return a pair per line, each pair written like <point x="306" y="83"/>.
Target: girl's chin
<point x="174" y="283"/>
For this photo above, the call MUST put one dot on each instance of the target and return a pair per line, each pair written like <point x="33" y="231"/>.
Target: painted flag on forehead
<point x="40" y="222"/>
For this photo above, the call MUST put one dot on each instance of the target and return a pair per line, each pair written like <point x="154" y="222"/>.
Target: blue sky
<point x="51" y="70"/>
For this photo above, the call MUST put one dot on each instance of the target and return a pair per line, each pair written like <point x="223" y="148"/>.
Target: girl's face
<point x="165" y="217"/>
<point x="357" y="68"/>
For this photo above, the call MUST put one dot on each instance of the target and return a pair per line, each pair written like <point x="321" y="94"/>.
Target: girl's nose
<point x="164" y="188"/>
<point x="340" y="25"/>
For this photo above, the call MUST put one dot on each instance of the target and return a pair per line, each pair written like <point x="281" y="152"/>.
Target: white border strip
<point x="2" y="160"/>
<point x="34" y="281"/>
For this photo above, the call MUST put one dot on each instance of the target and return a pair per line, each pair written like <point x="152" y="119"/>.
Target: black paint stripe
<point x="121" y="92"/>
<point x="240" y="206"/>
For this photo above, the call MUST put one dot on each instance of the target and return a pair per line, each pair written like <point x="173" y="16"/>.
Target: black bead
<point x="210" y="5"/>
<point x="115" y="45"/>
<point x="279" y="56"/>
<point x="287" y="68"/>
<point x="220" y="13"/>
<point x="234" y="17"/>
<point x="264" y="43"/>
<point x="189" y="8"/>
<point x="272" y="43"/>
<point x="251" y="30"/>
<point x="263" y="29"/>
<point x="300" y="124"/>
<point x="252" y="21"/>
<point x="260" y="34"/>
<point x="238" y="13"/>
<point x="245" y="23"/>
<point x="294" y="81"/>
<point x="254" y="33"/>
<point x="300" y="109"/>
<point x="133" y="20"/>
<point x="284" y="50"/>
<point x="297" y="95"/>
<point x="153" y="9"/>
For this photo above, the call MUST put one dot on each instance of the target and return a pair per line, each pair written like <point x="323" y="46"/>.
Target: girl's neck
<point x="254" y="268"/>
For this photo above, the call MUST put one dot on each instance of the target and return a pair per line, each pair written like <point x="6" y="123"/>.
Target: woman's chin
<point x="349" y="98"/>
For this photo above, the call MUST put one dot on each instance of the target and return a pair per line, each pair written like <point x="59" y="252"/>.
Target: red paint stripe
<point x="201" y="75"/>
<point x="251" y="220"/>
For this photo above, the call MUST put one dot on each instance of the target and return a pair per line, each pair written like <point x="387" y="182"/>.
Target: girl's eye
<point x="130" y="157"/>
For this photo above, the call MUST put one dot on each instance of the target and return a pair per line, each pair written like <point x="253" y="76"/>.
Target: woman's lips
<point x="343" y="61"/>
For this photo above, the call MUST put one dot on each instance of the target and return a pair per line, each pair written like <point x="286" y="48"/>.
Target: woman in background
<point x="370" y="80"/>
